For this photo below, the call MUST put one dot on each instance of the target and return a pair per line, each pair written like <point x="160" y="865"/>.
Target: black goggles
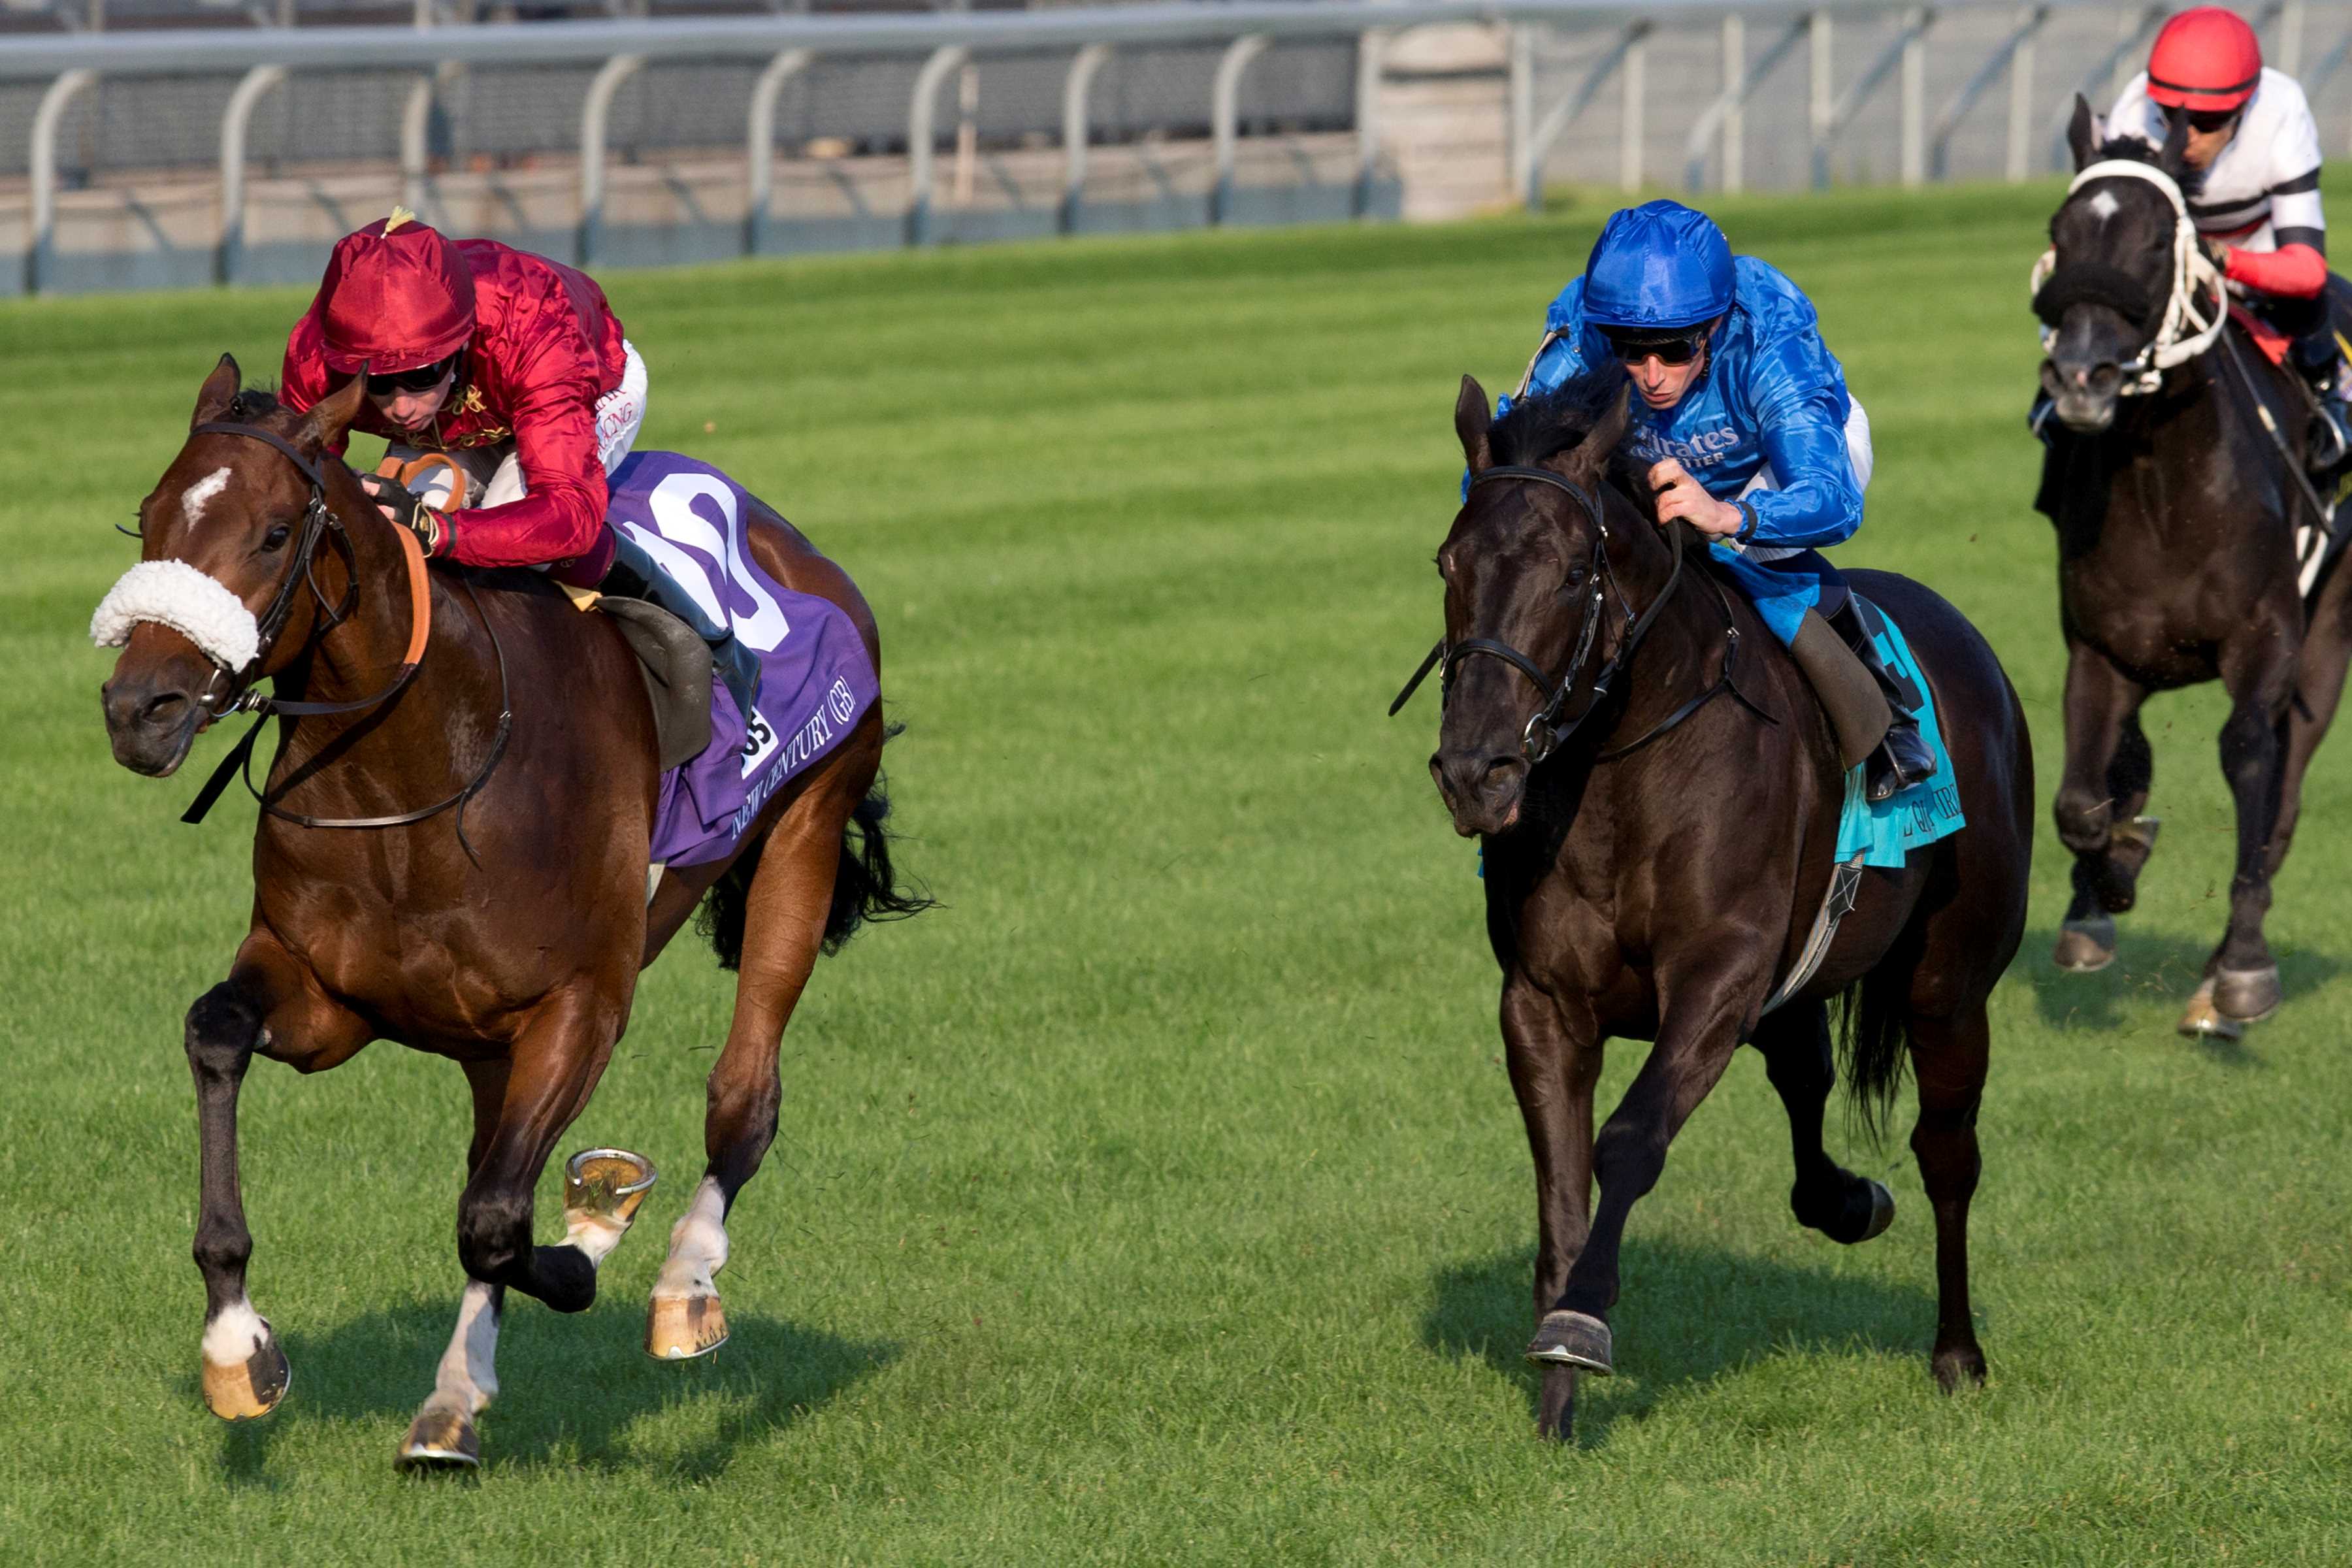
<point x="424" y="378"/>
<point x="1633" y="349"/>
<point x="2204" y="121"/>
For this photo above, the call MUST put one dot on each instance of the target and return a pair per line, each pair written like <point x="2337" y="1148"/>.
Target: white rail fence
<point x="1862" y="108"/>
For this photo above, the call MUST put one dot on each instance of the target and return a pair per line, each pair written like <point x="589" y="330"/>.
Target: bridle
<point x="231" y="691"/>
<point x="2186" y="329"/>
<point x="1545" y="732"/>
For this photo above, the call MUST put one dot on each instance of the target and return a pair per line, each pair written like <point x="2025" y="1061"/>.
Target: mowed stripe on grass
<point x="1162" y="1197"/>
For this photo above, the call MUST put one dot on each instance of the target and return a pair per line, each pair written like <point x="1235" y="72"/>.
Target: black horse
<point x="2176" y="514"/>
<point x="1659" y="838"/>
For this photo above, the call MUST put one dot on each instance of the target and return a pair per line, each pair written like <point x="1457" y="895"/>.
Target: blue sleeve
<point x="1799" y="397"/>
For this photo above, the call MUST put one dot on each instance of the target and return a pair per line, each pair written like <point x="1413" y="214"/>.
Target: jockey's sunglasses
<point x="2205" y="122"/>
<point x="1631" y="349"/>
<point x="424" y="378"/>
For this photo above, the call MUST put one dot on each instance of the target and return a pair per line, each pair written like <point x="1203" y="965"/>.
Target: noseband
<point x="1545" y="731"/>
<point x="232" y="691"/>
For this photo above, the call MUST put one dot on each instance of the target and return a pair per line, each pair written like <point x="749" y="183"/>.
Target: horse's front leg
<point x="2259" y="670"/>
<point x="2100" y="796"/>
<point x="1826" y="1196"/>
<point x="784" y="930"/>
<point x="1698" y="1030"/>
<point x="443" y="1434"/>
<point x="269" y="1004"/>
<point x="1553" y="1070"/>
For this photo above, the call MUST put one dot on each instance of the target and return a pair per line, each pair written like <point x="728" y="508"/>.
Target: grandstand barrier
<point x="1443" y="107"/>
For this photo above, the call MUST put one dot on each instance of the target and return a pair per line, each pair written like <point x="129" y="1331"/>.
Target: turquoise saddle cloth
<point x="1883" y="834"/>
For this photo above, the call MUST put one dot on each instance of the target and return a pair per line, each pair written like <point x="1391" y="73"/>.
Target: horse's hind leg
<point x="267" y="1003"/>
<point x="1948" y="1057"/>
<point x="1826" y="1197"/>
<point x="2105" y="789"/>
<point x="783" y="930"/>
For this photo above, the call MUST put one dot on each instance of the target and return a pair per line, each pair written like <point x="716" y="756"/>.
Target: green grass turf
<point x="1162" y="1198"/>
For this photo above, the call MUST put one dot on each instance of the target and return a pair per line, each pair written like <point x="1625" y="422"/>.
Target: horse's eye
<point x="1575" y="576"/>
<point x="276" y="538"/>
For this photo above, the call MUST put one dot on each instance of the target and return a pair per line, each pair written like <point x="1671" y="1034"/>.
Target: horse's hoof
<point x="1882" y="1212"/>
<point x="605" y="1186"/>
<point x="2085" y="947"/>
<point x="440" y="1439"/>
<point x="2203" y="1021"/>
<point x="2248" y="995"/>
<point x="1572" y="1339"/>
<point x="1956" y="1366"/>
<point x="243" y="1390"/>
<point x="679" y="1328"/>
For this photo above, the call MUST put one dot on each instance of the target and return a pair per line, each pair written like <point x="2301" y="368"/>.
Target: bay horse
<point x="505" y="933"/>
<point x="2178" y="563"/>
<point x="1657" y="839"/>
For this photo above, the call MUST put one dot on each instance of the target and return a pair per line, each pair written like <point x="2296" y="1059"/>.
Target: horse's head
<point x="1519" y="568"/>
<point x="2113" y="269"/>
<point x="221" y="549"/>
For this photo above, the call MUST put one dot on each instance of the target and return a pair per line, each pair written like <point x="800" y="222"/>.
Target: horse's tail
<point x="1873" y="1038"/>
<point x="864" y="888"/>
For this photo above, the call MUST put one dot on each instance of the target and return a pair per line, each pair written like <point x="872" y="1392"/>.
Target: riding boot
<point x="2320" y="362"/>
<point x="1902" y="758"/>
<point x="635" y="575"/>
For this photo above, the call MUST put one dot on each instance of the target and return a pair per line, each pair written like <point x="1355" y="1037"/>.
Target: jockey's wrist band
<point x="1747" y="526"/>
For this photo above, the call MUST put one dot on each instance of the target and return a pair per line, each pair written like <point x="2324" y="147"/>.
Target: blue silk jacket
<point x="1772" y="395"/>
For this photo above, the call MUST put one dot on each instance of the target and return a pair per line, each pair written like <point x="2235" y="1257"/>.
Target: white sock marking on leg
<point x="468" y="1373"/>
<point x="698" y="1244"/>
<point x="231" y="1339"/>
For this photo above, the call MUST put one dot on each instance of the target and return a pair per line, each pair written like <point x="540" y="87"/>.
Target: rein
<point x="231" y="691"/>
<point x="1545" y="732"/>
<point x="2185" y="329"/>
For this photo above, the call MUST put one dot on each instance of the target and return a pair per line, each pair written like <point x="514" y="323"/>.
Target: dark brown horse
<point x="2178" y="563"/>
<point x="507" y="933"/>
<point x="1655" y="854"/>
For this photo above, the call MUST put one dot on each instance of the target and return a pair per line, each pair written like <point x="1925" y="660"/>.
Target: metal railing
<point x="1621" y="36"/>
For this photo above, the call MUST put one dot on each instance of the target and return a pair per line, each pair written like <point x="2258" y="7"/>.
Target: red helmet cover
<point x="2204" y="59"/>
<point x="397" y="295"/>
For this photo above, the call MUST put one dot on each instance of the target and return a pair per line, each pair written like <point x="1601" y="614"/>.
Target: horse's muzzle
<point x="2084" y="395"/>
<point x="151" y="723"/>
<point x="1482" y="790"/>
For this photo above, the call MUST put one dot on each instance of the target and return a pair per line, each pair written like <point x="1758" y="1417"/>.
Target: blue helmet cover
<point x="1660" y="265"/>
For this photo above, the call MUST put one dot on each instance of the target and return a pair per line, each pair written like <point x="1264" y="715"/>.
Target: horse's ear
<point x="1601" y="442"/>
<point x="332" y="414"/>
<point x="219" y="389"/>
<point x="2083" y="132"/>
<point x="1471" y="418"/>
<point x="2173" y="156"/>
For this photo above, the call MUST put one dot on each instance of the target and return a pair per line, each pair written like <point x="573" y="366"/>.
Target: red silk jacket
<point x="545" y="347"/>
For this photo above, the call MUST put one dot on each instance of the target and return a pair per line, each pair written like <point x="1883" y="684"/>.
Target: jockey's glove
<point x="410" y="511"/>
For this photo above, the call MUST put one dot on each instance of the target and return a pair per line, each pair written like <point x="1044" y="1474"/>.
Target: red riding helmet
<point x="2204" y="59"/>
<point x="397" y="296"/>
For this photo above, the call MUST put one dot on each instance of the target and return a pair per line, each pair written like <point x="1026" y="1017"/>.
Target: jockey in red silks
<point x="516" y="369"/>
<point x="2253" y="139"/>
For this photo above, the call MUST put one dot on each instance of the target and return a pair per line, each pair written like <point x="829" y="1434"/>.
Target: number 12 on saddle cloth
<point x="816" y="679"/>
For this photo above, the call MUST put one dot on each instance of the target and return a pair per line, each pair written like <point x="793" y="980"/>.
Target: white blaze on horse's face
<point x="2104" y="206"/>
<point x="193" y="500"/>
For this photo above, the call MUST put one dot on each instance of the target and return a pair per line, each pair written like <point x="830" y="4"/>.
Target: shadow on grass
<point x="571" y="1388"/>
<point x="2149" y="967"/>
<point x="1689" y="1316"/>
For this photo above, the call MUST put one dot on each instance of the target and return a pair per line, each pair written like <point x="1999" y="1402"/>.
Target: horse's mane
<point x="1558" y="421"/>
<point x="2136" y="150"/>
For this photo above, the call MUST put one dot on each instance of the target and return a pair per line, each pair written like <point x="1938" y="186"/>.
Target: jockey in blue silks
<point x="1742" y="412"/>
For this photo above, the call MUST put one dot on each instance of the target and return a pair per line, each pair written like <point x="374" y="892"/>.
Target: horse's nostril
<point x="159" y="705"/>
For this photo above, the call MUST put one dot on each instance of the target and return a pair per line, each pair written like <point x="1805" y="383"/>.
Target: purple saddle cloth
<point x="815" y="680"/>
